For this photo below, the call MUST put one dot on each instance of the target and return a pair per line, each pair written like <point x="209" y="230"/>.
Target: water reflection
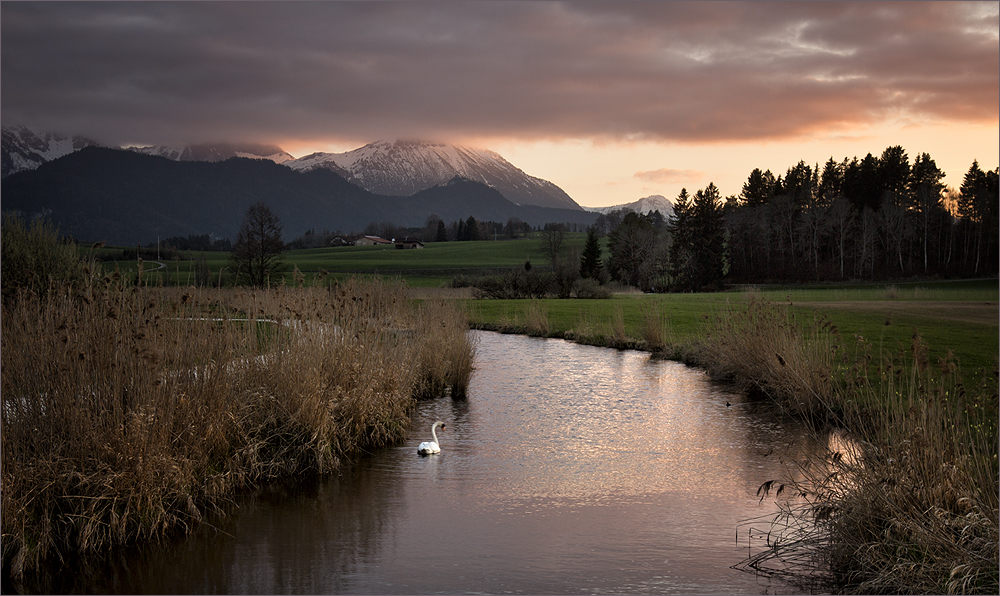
<point x="569" y="469"/>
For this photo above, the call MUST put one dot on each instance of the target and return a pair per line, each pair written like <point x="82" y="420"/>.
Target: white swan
<point x="429" y="447"/>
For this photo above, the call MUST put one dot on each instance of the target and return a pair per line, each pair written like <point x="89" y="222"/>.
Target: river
<point x="569" y="469"/>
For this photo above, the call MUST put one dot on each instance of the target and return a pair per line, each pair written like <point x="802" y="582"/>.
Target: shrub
<point x="590" y="288"/>
<point x="515" y="284"/>
<point x="34" y="258"/>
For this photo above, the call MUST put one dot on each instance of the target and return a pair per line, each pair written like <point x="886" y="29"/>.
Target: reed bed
<point x="536" y="319"/>
<point x="655" y="326"/>
<point x="905" y="500"/>
<point x="766" y="353"/>
<point x="130" y="413"/>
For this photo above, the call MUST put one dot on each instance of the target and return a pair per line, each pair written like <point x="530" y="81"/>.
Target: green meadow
<point x="433" y="266"/>
<point x="961" y="316"/>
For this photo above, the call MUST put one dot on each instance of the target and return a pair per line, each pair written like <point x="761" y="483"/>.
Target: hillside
<point x="124" y="197"/>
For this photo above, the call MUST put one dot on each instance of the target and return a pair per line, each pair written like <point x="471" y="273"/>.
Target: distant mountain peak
<point x="643" y="205"/>
<point x="405" y="166"/>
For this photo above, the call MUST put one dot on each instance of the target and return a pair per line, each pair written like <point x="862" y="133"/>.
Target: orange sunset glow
<point x="612" y="101"/>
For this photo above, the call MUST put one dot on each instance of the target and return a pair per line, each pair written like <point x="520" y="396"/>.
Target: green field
<point x="958" y="315"/>
<point x="433" y="266"/>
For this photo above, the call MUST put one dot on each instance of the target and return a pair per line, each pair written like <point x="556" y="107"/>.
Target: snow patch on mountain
<point x="216" y="152"/>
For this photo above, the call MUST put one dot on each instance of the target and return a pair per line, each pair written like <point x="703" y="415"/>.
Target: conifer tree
<point x="590" y="260"/>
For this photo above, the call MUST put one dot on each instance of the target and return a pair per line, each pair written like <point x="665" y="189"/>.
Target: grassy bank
<point x="130" y="413"/>
<point x="960" y="317"/>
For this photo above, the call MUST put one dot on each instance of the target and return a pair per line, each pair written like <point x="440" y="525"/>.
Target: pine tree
<point x="472" y="229"/>
<point x="590" y="260"/>
<point x="759" y="188"/>
<point x="924" y="188"/>
<point x="709" y="236"/>
<point x="682" y="250"/>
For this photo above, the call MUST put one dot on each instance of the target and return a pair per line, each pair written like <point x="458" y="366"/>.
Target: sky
<point x="612" y="101"/>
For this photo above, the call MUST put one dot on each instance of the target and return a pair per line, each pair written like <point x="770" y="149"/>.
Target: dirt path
<point x="979" y="313"/>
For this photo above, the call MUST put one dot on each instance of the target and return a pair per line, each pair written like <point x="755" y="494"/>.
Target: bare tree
<point x="553" y="236"/>
<point x="258" y="247"/>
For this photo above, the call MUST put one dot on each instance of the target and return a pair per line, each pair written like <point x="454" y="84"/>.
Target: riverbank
<point x="131" y="413"/>
<point x="909" y="503"/>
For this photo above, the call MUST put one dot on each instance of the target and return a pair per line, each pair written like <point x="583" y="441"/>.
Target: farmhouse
<point x="408" y="243"/>
<point x="371" y="241"/>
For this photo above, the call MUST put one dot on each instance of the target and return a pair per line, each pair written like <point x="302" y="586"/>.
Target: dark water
<point x="569" y="469"/>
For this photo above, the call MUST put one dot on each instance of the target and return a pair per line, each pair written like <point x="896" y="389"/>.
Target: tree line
<point x="876" y="218"/>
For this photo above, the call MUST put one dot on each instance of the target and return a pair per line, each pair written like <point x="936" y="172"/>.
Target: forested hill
<point x="123" y="197"/>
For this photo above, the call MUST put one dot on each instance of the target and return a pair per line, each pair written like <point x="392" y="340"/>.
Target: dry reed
<point x="760" y="348"/>
<point x="655" y="327"/>
<point x="131" y="412"/>
<point x="908" y="502"/>
<point x="536" y="319"/>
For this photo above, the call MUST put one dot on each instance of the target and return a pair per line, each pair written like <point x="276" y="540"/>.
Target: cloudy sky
<point x="612" y="101"/>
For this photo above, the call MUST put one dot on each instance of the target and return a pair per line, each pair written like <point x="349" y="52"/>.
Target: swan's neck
<point x="434" y="433"/>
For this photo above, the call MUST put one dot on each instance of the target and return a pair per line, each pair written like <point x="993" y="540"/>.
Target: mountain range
<point x="127" y="198"/>
<point x="399" y="168"/>
<point x="427" y="174"/>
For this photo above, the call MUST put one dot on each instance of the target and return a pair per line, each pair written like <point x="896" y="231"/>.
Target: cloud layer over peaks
<point x="685" y="72"/>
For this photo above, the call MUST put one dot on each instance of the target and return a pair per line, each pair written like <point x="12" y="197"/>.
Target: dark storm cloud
<point x="700" y="71"/>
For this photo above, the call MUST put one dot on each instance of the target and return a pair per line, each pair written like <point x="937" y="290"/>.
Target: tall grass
<point x="908" y="502"/>
<point x="766" y="353"/>
<point x="655" y="326"/>
<point x="536" y="319"/>
<point x="131" y="412"/>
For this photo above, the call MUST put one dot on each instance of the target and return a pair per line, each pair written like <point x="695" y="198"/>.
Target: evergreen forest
<point x="876" y="218"/>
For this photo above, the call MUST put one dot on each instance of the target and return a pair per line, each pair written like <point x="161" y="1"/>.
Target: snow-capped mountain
<point x="402" y="168"/>
<point x="399" y="168"/>
<point x="217" y="152"/>
<point x="643" y="205"/>
<point x="25" y="149"/>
